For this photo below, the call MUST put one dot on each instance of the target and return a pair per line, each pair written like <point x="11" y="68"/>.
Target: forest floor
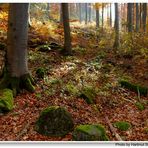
<point x="95" y="64"/>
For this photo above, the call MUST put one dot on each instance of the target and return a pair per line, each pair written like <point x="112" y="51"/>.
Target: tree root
<point x="17" y="83"/>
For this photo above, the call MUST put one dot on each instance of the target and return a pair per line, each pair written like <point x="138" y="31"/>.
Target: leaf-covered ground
<point x="95" y="64"/>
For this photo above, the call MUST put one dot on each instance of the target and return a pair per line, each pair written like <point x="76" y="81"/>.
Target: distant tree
<point x="80" y="13"/>
<point x="97" y="18"/>
<point x="110" y="15"/>
<point x="66" y="25"/>
<point x="97" y="7"/>
<point x="86" y="12"/>
<point x="144" y="16"/>
<point x="48" y="10"/>
<point x="129" y="17"/>
<point x="116" y="26"/>
<point x="90" y="13"/>
<point x="137" y="17"/>
<point x="102" y="15"/>
<point x="16" y="74"/>
<point x="140" y="15"/>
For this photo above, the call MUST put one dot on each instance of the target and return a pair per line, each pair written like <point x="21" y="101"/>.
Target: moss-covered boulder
<point x="6" y="100"/>
<point x="90" y="133"/>
<point x="122" y="125"/>
<point x="133" y="87"/>
<point x="54" y="121"/>
<point x="40" y="72"/>
<point x="88" y="94"/>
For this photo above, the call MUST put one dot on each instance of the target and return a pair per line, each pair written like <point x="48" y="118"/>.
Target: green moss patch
<point x="40" y="72"/>
<point x="140" y="106"/>
<point x="6" y="100"/>
<point x="122" y="125"/>
<point x="90" y="133"/>
<point x="133" y="87"/>
<point x="54" y="121"/>
<point x="88" y="94"/>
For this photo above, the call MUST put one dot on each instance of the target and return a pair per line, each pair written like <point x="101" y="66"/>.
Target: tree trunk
<point x="144" y="16"/>
<point x="137" y="17"/>
<point x="48" y="10"/>
<point x="80" y="13"/>
<point x="140" y="15"/>
<point x="130" y="23"/>
<point x="86" y="13"/>
<point x="102" y="15"/>
<point x="89" y="13"/>
<point x="16" y="74"/>
<point x="66" y="25"/>
<point x="29" y="19"/>
<point x="116" y="43"/>
<point x="97" y="18"/>
<point x="110" y="15"/>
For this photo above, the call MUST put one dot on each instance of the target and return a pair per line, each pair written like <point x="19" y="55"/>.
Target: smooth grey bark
<point x="137" y="17"/>
<point x="130" y="17"/>
<point x="66" y="25"/>
<point x="116" y="26"/>
<point x="144" y="16"/>
<point x="97" y="19"/>
<point x="110" y="15"/>
<point x="17" y="37"/>
<point x="90" y="11"/>
<point x="80" y="13"/>
<point x="86" y="12"/>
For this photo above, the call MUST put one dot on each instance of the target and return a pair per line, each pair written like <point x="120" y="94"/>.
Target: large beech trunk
<point x="16" y="73"/>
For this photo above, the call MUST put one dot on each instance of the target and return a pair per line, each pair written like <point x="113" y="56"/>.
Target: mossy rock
<point x="54" y="121"/>
<point x="40" y="72"/>
<point x="122" y="125"/>
<point x="6" y="100"/>
<point x="140" y="106"/>
<point x="88" y="94"/>
<point x="90" y="132"/>
<point x="133" y="87"/>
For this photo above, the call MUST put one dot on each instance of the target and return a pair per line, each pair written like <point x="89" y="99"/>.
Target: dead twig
<point x="113" y="130"/>
<point x="23" y="131"/>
